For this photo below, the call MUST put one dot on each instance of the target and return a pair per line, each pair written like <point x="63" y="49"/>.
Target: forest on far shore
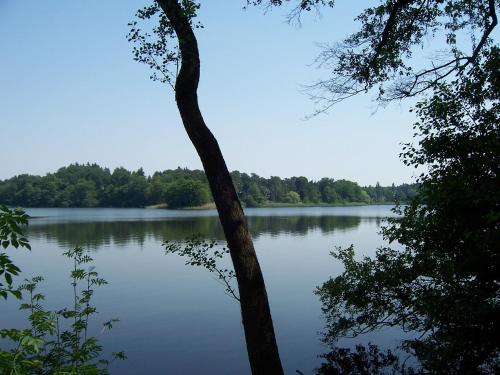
<point x="90" y="185"/>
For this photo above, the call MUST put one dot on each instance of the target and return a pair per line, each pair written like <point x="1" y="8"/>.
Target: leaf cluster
<point x="299" y="5"/>
<point x="155" y="42"/>
<point x="12" y="223"/>
<point x="206" y="254"/>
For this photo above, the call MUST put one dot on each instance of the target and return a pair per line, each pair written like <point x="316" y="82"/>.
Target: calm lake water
<point x="176" y="319"/>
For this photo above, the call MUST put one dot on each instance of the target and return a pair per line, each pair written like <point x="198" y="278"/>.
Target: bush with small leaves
<point x="56" y="342"/>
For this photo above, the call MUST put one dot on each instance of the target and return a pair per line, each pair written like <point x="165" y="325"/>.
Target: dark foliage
<point x="443" y="284"/>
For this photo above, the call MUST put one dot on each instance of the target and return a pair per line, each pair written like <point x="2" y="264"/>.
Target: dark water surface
<point x="176" y="319"/>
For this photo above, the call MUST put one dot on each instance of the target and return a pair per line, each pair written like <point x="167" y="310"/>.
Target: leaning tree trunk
<point x="257" y="322"/>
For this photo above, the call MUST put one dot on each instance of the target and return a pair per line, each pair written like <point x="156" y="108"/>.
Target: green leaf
<point x="8" y="278"/>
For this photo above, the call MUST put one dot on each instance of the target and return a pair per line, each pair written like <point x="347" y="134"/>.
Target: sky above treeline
<point x="71" y="92"/>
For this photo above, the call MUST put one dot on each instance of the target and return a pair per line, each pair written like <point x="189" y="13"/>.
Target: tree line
<point x="90" y="185"/>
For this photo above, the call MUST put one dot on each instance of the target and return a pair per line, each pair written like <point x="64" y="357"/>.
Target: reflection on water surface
<point x="176" y="319"/>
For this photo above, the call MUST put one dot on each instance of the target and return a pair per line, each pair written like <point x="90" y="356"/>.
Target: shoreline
<point x="211" y="206"/>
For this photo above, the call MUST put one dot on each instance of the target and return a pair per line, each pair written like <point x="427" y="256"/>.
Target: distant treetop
<point x="89" y="185"/>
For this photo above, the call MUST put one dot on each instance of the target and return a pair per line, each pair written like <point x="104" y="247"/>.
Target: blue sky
<point x="70" y="92"/>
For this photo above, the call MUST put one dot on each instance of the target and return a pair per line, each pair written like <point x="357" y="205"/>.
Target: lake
<point x="176" y="319"/>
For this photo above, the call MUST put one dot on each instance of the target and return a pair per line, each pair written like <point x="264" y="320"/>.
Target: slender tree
<point x="177" y="21"/>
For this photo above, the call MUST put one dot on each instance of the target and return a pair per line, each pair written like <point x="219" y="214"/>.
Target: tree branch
<point x="389" y="26"/>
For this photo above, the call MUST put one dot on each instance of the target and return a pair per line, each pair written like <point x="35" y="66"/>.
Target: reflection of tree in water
<point x="300" y="225"/>
<point x="121" y="233"/>
<point x="364" y="360"/>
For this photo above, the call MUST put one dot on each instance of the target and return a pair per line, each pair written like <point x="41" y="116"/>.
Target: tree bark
<point x="257" y="322"/>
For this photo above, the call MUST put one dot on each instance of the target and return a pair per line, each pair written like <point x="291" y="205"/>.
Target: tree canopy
<point x="389" y="51"/>
<point x="90" y="185"/>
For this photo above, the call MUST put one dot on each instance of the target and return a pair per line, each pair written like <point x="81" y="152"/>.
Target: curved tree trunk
<point x="257" y="322"/>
